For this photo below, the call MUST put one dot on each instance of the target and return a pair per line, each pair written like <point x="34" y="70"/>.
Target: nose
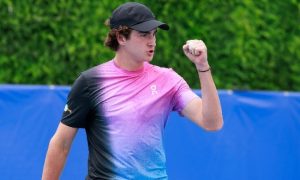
<point x="152" y="41"/>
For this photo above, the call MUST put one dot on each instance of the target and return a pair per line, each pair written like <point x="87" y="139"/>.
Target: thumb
<point x="185" y="48"/>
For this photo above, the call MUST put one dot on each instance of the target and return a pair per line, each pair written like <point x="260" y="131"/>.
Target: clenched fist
<point x="196" y="51"/>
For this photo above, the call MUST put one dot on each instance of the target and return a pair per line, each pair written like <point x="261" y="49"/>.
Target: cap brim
<point x="150" y="25"/>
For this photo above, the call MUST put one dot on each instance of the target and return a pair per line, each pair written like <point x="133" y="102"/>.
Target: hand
<point x="196" y="51"/>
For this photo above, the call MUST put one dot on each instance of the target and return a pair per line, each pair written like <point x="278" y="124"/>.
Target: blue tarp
<point x="260" y="138"/>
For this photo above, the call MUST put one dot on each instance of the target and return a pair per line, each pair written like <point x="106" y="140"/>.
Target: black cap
<point x="135" y="16"/>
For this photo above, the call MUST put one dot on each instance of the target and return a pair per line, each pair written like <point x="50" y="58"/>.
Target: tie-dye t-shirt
<point x="124" y="114"/>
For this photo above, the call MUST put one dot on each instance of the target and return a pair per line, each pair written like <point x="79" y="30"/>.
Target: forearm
<point x="206" y="112"/>
<point x="55" y="160"/>
<point x="211" y="108"/>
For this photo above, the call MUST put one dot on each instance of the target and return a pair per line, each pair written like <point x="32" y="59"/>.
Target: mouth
<point x="150" y="52"/>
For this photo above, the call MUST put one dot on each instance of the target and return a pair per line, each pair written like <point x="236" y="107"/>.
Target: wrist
<point x="202" y="67"/>
<point x="203" y="70"/>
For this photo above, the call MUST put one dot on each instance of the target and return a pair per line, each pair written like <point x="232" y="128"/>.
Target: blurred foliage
<point x="251" y="44"/>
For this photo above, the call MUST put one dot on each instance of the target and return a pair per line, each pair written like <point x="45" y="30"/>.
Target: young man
<point x="124" y="103"/>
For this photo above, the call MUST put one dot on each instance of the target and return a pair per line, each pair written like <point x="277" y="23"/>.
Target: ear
<point x="121" y="39"/>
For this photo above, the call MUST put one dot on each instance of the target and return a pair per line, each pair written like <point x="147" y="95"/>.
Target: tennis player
<point x="124" y="103"/>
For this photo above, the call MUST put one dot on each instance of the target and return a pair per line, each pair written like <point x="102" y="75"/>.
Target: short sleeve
<point x="183" y="94"/>
<point x="77" y="107"/>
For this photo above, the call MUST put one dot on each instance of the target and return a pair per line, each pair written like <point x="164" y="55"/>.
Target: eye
<point x="143" y="34"/>
<point x="146" y="34"/>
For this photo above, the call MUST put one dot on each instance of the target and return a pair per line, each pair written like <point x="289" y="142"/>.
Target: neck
<point x="127" y="63"/>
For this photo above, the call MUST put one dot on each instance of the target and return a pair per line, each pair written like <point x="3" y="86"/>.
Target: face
<point x="140" y="46"/>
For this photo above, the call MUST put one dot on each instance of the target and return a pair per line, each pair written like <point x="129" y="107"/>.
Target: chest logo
<point x="153" y="89"/>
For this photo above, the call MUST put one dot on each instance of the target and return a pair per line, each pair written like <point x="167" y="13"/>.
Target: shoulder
<point x="96" y="70"/>
<point x="90" y="76"/>
<point x="159" y="69"/>
<point x="168" y="73"/>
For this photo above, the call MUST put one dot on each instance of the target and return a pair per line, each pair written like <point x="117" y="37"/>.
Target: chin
<point x="149" y="59"/>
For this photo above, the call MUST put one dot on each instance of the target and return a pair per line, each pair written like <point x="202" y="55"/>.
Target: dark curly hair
<point x="111" y="38"/>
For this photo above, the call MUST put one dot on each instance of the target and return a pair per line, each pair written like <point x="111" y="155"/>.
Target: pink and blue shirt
<point x="124" y="114"/>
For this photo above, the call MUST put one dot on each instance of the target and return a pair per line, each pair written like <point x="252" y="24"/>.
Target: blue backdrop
<point x="260" y="138"/>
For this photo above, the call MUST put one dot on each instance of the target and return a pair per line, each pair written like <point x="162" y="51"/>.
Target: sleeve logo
<point x="67" y="109"/>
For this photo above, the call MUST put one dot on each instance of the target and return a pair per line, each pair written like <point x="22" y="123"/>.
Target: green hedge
<point x="251" y="44"/>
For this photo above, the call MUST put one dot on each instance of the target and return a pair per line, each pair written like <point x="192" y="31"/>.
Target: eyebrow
<point x="147" y="31"/>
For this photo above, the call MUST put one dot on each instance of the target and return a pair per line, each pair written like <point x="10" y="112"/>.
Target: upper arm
<point x="58" y="150"/>
<point x="64" y="135"/>
<point x="193" y="111"/>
